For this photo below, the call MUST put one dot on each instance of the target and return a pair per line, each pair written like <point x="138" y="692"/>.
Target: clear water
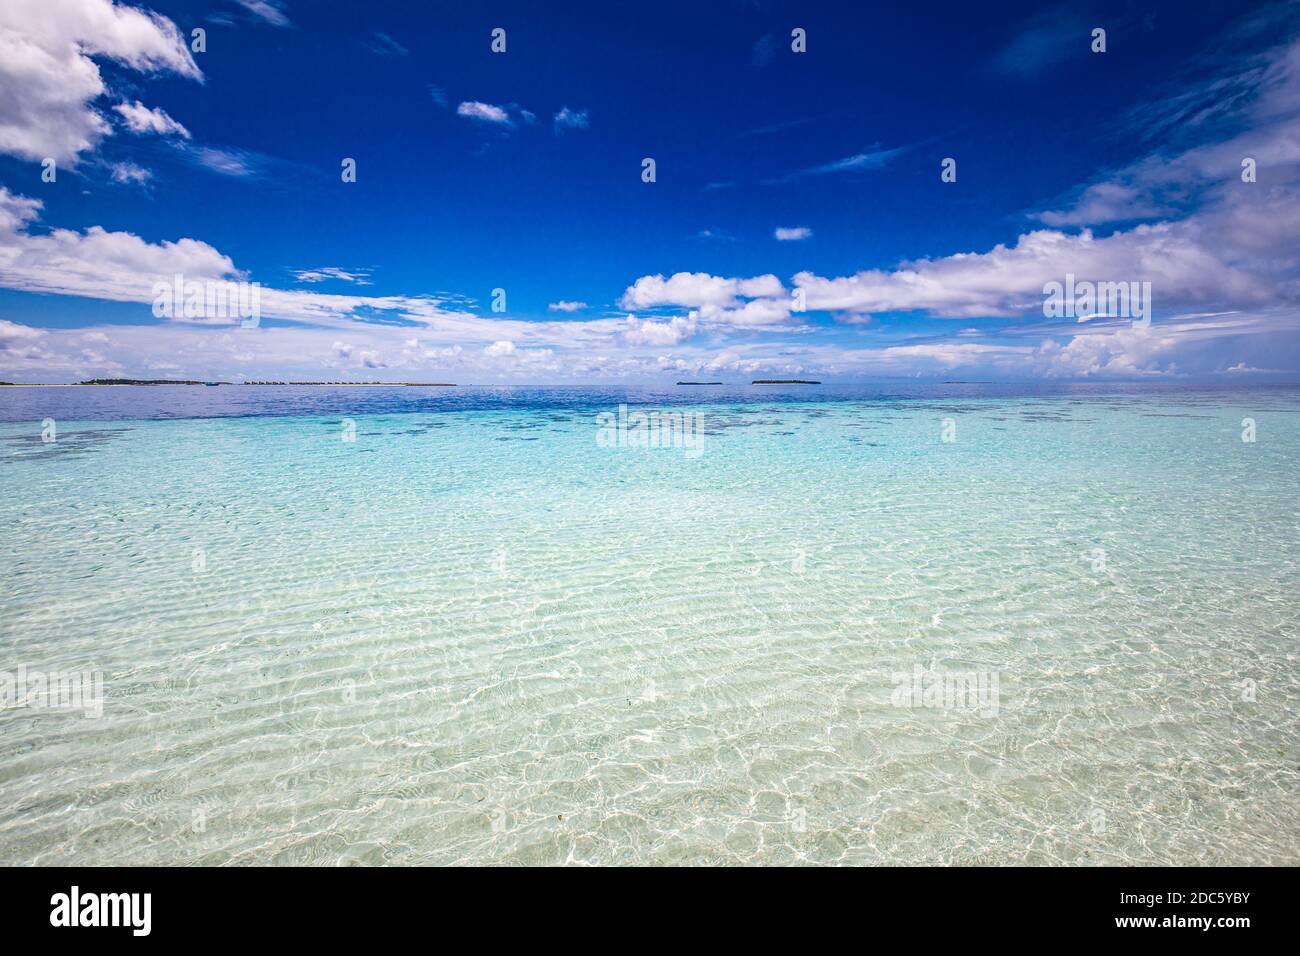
<point x="474" y="635"/>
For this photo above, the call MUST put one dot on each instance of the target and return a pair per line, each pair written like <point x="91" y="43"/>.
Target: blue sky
<point x="776" y="171"/>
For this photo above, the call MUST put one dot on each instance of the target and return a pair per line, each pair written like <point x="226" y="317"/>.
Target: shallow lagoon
<point x="474" y="635"/>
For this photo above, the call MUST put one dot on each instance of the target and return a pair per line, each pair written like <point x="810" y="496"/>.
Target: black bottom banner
<point x="1221" y="907"/>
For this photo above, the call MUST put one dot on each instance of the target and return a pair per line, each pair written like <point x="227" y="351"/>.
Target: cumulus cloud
<point x="1222" y="242"/>
<point x="48" y="74"/>
<point x="671" y="332"/>
<point x="694" y="289"/>
<point x="140" y="119"/>
<point x="19" y="346"/>
<point x="716" y="300"/>
<point x="563" y="306"/>
<point x="571" y="119"/>
<point x="1181" y="261"/>
<point x="129" y="173"/>
<point x="313" y="332"/>
<point x="484" y="112"/>
<point x="121" y="266"/>
<point x="793" y="234"/>
<point x="12" y="332"/>
<point x="96" y="263"/>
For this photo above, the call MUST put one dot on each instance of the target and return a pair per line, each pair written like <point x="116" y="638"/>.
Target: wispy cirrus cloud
<point x="1254" y="106"/>
<point x="325" y="273"/>
<point x="1048" y="39"/>
<point x="869" y="159"/>
<point x="227" y="162"/>
<point x="268" y="11"/>
<point x="382" y="44"/>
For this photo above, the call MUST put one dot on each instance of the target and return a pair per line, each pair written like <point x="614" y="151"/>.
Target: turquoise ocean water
<point x="475" y="635"/>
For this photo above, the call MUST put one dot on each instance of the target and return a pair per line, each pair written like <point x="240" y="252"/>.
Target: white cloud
<point x="96" y="263"/>
<point x="269" y="11"/>
<point x="1224" y="244"/>
<point x="1183" y="262"/>
<point x="602" y="354"/>
<point x="485" y="112"/>
<point x="123" y="267"/>
<point x="694" y="289"/>
<point x="140" y="119"/>
<point x="793" y="234"/>
<point x="11" y="332"/>
<point x="670" y="332"/>
<point x="130" y="173"/>
<point x="1105" y="202"/>
<point x="452" y="352"/>
<point x="1262" y="100"/>
<point x="571" y="119"/>
<point x="49" y="79"/>
<point x="869" y="159"/>
<point x="563" y="306"/>
<point x="328" y="332"/>
<point x="384" y="45"/>
<point x="225" y="161"/>
<point x="1242" y="367"/>
<point x="332" y="272"/>
<point x="715" y="300"/>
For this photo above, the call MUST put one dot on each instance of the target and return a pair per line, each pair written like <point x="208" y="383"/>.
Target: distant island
<point x="783" y="381"/>
<point x="699" y="383"/>
<point x="139" y="381"/>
